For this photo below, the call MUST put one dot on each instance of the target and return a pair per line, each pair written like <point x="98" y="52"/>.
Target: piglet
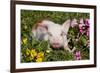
<point x="55" y="33"/>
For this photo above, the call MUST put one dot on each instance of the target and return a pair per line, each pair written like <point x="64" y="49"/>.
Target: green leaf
<point x="42" y="46"/>
<point x="83" y="40"/>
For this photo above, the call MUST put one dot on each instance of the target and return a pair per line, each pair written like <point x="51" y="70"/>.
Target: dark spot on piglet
<point x="41" y="37"/>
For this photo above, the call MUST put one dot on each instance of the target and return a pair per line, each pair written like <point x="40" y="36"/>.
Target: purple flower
<point x="78" y="55"/>
<point x="84" y="24"/>
<point x="87" y="22"/>
<point x="81" y="25"/>
<point x="81" y="30"/>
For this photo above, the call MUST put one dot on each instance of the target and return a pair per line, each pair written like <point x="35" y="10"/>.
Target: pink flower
<point x="74" y="23"/>
<point x="78" y="55"/>
<point x="81" y="21"/>
<point x="87" y="22"/>
<point x="81" y="24"/>
<point x="81" y="30"/>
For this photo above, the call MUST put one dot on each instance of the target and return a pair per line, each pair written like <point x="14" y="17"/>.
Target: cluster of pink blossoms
<point x="84" y="28"/>
<point x="83" y="23"/>
<point x="78" y="55"/>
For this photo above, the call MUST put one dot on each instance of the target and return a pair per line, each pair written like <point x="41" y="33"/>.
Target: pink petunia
<point x="81" y="30"/>
<point x="81" y="24"/>
<point x="74" y="23"/>
<point x="87" y="22"/>
<point x="81" y="21"/>
<point x="78" y="55"/>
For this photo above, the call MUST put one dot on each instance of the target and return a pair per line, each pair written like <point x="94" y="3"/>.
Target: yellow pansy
<point x="31" y="58"/>
<point x="40" y="55"/>
<point x="39" y="60"/>
<point x="27" y="51"/>
<point x="33" y="53"/>
<point x="25" y="40"/>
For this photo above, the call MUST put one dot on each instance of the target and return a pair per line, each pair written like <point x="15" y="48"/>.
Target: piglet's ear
<point x="40" y="28"/>
<point x="66" y="26"/>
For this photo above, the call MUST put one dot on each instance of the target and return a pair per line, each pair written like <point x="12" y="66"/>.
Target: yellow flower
<point x="27" y="51"/>
<point x="39" y="60"/>
<point x="24" y="40"/>
<point x="33" y="53"/>
<point x="48" y="51"/>
<point x="40" y="55"/>
<point x="31" y="58"/>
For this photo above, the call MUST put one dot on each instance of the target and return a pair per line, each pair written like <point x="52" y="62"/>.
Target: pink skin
<point x="57" y="34"/>
<point x="55" y="43"/>
<point x="56" y="38"/>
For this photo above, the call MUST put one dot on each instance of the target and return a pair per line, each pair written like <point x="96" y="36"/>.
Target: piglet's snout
<point x="56" y="39"/>
<point x="56" y="43"/>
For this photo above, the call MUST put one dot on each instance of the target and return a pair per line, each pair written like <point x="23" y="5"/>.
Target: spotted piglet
<point x="55" y="33"/>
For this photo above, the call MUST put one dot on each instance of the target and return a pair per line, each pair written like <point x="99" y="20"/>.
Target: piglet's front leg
<point x="68" y="49"/>
<point x="66" y="45"/>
